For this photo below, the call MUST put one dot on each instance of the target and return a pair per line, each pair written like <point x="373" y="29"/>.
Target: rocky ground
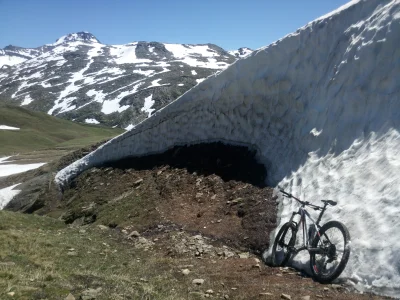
<point x="202" y="212"/>
<point x="221" y="195"/>
<point x="232" y="273"/>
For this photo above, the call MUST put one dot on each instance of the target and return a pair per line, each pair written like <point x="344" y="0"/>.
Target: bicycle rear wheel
<point x="283" y="244"/>
<point x="333" y="240"/>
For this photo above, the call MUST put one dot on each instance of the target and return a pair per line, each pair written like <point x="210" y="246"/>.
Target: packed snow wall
<point x="322" y="108"/>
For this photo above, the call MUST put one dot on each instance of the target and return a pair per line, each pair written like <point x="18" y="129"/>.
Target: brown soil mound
<point x="214" y="189"/>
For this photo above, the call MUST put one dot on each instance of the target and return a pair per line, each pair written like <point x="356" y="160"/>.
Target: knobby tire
<point x="285" y="240"/>
<point x="323" y="240"/>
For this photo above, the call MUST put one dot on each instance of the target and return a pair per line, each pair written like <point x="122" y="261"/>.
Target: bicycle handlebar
<point x="288" y="195"/>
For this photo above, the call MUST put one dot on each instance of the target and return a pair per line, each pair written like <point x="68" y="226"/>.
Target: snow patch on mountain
<point x="144" y="72"/>
<point x="200" y="80"/>
<point x="126" y="54"/>
<point x="189" y="53"/>
<point x="155" y="83"/>
<point x="91" y="121"/>
<point x="10" y="60"/>
<point x="27" y="100"/>
<point x="12" y="55"/>
<point x="241" y="52"/>
<point x="148" y="103"/>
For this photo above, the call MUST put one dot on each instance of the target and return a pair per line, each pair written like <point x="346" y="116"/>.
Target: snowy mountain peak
<point x="82" y="36"/>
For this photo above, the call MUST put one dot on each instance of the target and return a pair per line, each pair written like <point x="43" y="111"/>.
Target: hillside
<point x="98" y="262"/>
<point x="79" y="78"/>
<point x="149" y="228"/>
<point x="39" y="131"/>
<point x="321" y="109"/>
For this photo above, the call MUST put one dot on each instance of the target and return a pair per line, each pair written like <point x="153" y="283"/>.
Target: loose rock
<point x="70" y="297"/>
<point x="336" y="286"/>
<point x="198" y="281"/>
<point x="138" y="182"/>
<point x="286" y="296"/>
<point x="185" y="271"/>
<point x="228" y="254"/>
<point x="90" y="294"/>
<point x="134" y="234"/>
<point x="102" y="227"/>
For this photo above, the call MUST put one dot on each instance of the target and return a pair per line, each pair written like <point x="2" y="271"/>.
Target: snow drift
<point x="322" y="108"/>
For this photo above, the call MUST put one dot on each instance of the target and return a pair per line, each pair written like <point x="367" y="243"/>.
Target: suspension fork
<point x="295" y="230"/>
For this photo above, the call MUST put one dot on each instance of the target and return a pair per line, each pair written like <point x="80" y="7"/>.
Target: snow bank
<point x="4" y="158"/>
<point x="9" y="169"/>
<point x="322" y="108"/>
<point x="7" y="194"/>
<point x="5" y="127"/>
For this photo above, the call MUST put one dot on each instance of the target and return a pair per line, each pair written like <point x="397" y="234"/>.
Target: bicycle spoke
<point x="332" y="244"/>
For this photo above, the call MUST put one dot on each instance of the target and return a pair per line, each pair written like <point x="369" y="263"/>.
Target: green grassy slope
<point x="39" y="131"/>
<point x="42" y="258"/>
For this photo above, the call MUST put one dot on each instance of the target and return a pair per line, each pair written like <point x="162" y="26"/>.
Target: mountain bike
<point x="329" y="245"/>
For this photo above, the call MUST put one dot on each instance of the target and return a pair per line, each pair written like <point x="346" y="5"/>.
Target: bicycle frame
<point x="303" y="222"/>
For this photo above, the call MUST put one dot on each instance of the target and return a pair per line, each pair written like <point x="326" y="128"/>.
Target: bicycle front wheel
<point x="284" y="242"/>
<point x="333" y="241"/>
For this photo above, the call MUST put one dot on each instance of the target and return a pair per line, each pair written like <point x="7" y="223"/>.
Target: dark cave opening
<point x="230" y="162"/>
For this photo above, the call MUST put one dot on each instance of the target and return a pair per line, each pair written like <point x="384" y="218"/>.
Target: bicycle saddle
<point x="331" y="202"/>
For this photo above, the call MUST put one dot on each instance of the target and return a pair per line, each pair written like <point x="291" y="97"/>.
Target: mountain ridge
<point x="79" y="78"/>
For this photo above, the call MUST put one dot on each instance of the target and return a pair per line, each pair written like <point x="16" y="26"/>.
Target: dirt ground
<point x="213" y="191"/>
<point x="221" y="195"/>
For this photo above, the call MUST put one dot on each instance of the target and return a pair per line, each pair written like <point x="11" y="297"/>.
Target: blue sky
<point x="229" y="24"/>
